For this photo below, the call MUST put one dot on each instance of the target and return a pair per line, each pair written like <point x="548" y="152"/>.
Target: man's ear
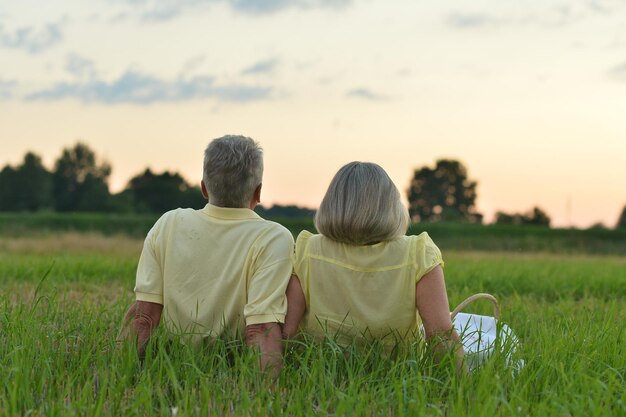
<point x="256" y="197"/>
<point x="205" y="193"/>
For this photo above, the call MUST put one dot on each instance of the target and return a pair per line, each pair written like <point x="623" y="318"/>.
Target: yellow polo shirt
<point x="362" y="291"/>
<point x="215" y="270"/>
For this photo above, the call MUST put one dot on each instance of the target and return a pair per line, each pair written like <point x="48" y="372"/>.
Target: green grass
<point x="58" y="355"/>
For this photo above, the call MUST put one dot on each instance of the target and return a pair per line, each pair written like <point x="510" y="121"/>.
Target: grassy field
<point x="63" y="295"/>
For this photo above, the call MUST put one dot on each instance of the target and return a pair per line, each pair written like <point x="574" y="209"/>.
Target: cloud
<point x="605" y="7"/>
<point x="140" y="89"/>
<point x="80" y="67"/>
<point x="262" y="6"/>
<point x="165" y="10"/>
<point x="546" y="15"/>
<point x="272" y="6"/>
<point x="6" y="89"/>
<point x="472" y="20"/>
<point x="366" y="94"/>
<point x="261" y="67"/>
<point x="618" y="73"/>
<point x="156" y="10"/>
<point x="192" y="65"/>
<point x="31" y="39"/>
<point x="119" y="17"/>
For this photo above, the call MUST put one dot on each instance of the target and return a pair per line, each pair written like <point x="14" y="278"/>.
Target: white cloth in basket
<point x="479" y="338"/>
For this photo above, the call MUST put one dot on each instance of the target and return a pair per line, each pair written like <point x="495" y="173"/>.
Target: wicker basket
<point x="479" y="296"/>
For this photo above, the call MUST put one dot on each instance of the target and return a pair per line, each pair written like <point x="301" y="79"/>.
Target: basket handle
<point x="472" y="298"/>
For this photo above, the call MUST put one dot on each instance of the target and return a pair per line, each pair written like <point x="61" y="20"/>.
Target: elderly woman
<point x="362" y="276"/>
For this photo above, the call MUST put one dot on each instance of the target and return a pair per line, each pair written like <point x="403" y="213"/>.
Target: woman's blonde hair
<point x="362" y="206"/>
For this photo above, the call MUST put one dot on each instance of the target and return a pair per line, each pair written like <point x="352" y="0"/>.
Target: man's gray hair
<point x="362" y="206"/>
<point x="233" y="168"/>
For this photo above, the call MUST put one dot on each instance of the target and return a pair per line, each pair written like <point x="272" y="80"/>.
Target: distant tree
<point x="535" y="216"/>
<point x="598" y="226"/>
<point x="27" y="187"/>
<point x="538" y="217"/>
<point x="284" y="211"/>
<point x="506" y="218"/>
<point x="34" y="184"/>
<point x="79" y="181"/>
<point x="443" y="193"/>
<point x="192" y="198"/>
<point x="122" y="202"/>
<point x="159" y="193"/>
<point x="8" y="194"/>
<point x="621" y="222"/>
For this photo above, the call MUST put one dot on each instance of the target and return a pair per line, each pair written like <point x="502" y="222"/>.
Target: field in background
<point x="452" y="236"/>
<point x="62" y="295"/>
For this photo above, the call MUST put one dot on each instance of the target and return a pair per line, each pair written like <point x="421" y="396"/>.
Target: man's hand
<point x="267" y="338"/>
<point x="139" y="322"/>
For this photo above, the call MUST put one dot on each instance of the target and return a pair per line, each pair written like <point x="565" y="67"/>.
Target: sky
<point x="530" y="96"/>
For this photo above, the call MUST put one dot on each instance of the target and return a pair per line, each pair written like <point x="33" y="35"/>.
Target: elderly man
<point x="221" y="270"/>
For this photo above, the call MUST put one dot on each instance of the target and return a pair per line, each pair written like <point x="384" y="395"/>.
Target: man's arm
<point x="267" y="338"/>
<point x="266" y="304"/>
<point x="139" y="322"/>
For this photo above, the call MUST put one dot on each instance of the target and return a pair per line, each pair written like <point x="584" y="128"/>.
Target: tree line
<point x="446" y="193"/>
<point x="78" y="181"/>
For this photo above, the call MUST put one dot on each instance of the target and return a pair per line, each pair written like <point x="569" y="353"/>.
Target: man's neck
<point x="213" y="203"/>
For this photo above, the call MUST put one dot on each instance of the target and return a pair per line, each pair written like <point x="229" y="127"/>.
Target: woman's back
<point x="362" y="290"/>
<point x="362" y="277"/>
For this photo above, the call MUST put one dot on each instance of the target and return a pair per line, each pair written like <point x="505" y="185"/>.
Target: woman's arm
<point x="431" y="300"/>
<point x="296" y="306"/>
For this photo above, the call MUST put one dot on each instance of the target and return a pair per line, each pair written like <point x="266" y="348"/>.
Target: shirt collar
<point x="228" y="213"/>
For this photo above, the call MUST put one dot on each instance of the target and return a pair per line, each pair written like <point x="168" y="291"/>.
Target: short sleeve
<point x="427" y="255"/>
<point x="302" y="242"/>
<point x="149" y="279"/>
<point x="267" y="301"/>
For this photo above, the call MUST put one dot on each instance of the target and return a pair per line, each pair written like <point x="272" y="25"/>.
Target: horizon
<point x="526" y="96"/>
<point x="265" y="205"/>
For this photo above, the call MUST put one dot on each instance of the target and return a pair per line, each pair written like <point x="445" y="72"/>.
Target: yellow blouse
<point x="362" y="291"/>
